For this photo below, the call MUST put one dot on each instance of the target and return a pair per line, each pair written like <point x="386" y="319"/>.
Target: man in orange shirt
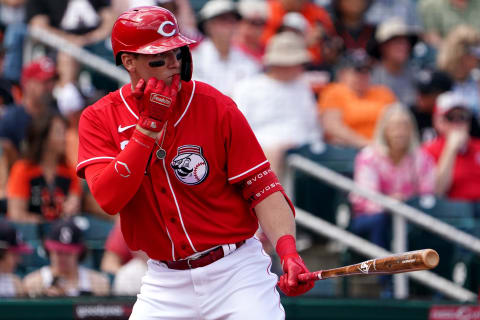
<point x="351" y="106"/>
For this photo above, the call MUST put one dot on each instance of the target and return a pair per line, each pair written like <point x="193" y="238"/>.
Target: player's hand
<point x="292" y="265"/>
<point x="156" y="102"/>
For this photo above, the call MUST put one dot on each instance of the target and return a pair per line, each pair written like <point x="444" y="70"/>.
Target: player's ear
<point x="128" y="61"/>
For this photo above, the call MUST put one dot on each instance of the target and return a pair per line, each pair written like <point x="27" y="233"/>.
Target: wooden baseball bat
<point x="403" y="262"/>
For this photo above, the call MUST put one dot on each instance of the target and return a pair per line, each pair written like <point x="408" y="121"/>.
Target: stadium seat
<point x="29" y="231"/>
<point x="35" y="260"/>
<point x="456" y="263"/>
<point x="314" y="195"/>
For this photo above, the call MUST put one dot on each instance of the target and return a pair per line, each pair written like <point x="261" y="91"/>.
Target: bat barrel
<point x="404" y="262"/>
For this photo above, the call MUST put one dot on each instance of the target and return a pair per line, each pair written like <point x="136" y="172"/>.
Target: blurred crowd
<point x="397" y="80"/>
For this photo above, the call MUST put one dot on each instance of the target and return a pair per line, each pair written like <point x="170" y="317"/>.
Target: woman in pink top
<point x="393" y="165"/>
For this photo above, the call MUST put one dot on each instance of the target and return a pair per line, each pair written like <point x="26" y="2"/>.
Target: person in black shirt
<point x="429" y="84"/>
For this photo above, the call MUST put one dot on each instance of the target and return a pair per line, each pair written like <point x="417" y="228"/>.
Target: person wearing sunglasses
<point x="456" y="152"/>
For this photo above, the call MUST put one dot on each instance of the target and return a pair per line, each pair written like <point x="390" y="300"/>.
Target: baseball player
<point x="178" y="161"/>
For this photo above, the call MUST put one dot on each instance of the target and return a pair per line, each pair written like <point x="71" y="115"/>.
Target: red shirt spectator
<point x="456" y="153"/>
<point x="466" y="171"/>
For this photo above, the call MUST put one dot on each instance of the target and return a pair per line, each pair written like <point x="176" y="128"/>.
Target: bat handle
<point x="309" y="276"/>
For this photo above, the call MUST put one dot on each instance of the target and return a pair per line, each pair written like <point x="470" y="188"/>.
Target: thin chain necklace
<point x="161" y="153"/>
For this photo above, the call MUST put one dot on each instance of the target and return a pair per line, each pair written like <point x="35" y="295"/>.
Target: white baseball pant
<point x="238" y="286"/>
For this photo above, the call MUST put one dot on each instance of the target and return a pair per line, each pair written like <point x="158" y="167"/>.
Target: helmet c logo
<point x="162" y="27"/>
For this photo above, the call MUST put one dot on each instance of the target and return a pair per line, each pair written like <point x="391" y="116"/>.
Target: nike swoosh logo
<point x="121" y="129"/>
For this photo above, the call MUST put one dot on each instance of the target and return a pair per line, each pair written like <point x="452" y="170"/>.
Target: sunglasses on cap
<point x="458" y="117"/>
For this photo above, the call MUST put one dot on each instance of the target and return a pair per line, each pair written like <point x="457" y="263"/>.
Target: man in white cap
<point x="248" y="38"/>
<point x="217" y="62"/>
<point x="456" y="153"/>
<point x="278" y="104"/>
<point x="393" y="45"/>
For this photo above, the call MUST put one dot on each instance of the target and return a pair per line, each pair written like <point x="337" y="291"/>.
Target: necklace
<point x="161" y="153"/>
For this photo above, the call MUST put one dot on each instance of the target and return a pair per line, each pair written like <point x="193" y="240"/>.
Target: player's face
<point x="162" y="66"/>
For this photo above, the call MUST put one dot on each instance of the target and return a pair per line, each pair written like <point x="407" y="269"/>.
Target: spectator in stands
<point x="278" y="104"/>
<point x="319" y="31"/>
<point x="440" y="17"/>
<point x="394" y="41"/>
<point x="350" y="24"/>
<point x="128" y="278"/>
<point x="381" y="10"/>
<point x="459" y="56"/>
<point x="64" y="276"/>
<point x="250" y="29"/>
<point x="456" y="153"/>
<point x="429" y="85"/>
<point x="42" y="186"/>
<point x="217" y="61"/>
<point x="11" y="247"/>
<point x="351" y="106"/>
<point x="116" y="253"/>
<point x="85" y="23"/>
<point x="12" y="16"/>
<point x="393" y="165"/>
<point x="37" y="81"/>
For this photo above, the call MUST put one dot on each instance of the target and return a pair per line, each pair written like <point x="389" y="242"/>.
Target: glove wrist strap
<point x="150" y="124"/>
<point x="286" y="246"/>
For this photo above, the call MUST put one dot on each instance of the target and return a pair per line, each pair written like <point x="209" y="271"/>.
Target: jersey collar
<point x="184" y="100"/>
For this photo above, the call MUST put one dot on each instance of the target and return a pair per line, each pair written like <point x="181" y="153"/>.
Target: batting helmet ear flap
<point x="187" y="65"/>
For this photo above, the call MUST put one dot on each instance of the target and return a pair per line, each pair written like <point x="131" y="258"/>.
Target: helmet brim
<point x="159" y="46"/>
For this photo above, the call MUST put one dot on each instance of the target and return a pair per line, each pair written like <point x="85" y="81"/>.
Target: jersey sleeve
<point x="244" y="154"/>
<point x="95" y="142"/>
<point x="18" y="186"/>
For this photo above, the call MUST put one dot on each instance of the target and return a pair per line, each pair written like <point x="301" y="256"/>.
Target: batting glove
<point x="292" y="265"/>
<point x="156" y="102"/>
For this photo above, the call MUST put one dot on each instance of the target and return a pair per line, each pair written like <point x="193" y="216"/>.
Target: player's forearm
<point x="113" y="185"/>
<point x="275" y="217"/>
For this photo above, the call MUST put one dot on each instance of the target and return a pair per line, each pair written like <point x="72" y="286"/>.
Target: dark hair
<point x="37" y="138"/>
<point x="337" y="13"/>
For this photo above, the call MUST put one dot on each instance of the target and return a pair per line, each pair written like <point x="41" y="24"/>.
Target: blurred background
<point x="368" y="111"/>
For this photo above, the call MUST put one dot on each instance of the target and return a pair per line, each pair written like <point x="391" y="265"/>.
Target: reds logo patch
<point x="189" y="165"/>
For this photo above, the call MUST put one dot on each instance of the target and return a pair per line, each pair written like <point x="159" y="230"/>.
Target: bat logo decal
<point x="365" y="266"/>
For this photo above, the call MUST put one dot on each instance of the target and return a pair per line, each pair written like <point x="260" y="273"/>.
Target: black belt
<point x="202" y="261"/>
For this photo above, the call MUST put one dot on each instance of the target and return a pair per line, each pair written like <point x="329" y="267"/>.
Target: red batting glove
<point x="156" y="102"/>
<point x="292" y="265"/>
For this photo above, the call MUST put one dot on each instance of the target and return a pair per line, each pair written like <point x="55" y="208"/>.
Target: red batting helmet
<point x="150" y="30"/>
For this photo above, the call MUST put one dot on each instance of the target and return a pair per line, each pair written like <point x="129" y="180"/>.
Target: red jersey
<point x="466" y="171"/>
<point x="189" y="201"/>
